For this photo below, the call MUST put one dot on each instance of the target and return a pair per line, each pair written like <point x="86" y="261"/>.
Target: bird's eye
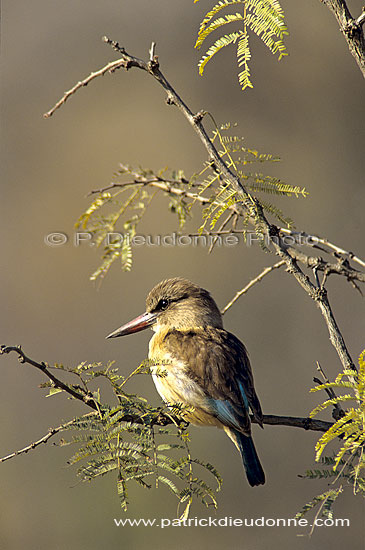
<point x="163" y="304"/>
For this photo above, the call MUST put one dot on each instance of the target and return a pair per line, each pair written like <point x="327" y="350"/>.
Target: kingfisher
<point x="205" y="367"/>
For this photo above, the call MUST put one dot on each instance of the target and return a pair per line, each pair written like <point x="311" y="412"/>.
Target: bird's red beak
<point x="139" y="323"/>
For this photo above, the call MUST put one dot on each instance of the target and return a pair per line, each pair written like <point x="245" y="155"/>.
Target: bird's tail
<point x="254" y="472"/>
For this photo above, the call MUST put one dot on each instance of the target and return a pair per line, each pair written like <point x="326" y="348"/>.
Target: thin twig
<point x="162" y="185"/>
<point x="361" y="19"/>
<point x="338" y="411"/>
<point x="318" y="513"/>
<point x="313" y="240"/>
<point x="44" y="439"/>
<point x="44" y="367"/>
<point x="144" y="182"/>
<point x="221" y="227"/>
<point x="257" y="279"/>
<point x="347" y="462"/>
<point x="109" y="68"/>
<point x="341" y="267"/>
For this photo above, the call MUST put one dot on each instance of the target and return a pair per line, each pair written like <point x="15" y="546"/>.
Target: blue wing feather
<point x="226" y="413"/>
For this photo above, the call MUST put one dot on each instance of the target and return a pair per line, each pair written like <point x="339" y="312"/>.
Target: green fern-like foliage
<point x="348" y="432"/>
<point x="129" y="440"/>
<point x="350" y="428"/>
<point x="264" y="18"/>
<point x="236" y="155"/>
<point x="332" y="471"/>
<point x="323" y="502"/>
<point x="101" y="220"/>
<point x="114" y="215"/>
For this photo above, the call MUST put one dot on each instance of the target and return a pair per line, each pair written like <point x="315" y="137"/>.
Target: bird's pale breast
<point x="175" y="386"/>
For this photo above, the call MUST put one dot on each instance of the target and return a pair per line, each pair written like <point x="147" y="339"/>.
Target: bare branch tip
<point x="114" y="44"/>
<point x="152" y="51"/>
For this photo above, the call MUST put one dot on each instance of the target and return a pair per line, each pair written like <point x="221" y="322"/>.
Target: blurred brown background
<point x="308" y="109"/>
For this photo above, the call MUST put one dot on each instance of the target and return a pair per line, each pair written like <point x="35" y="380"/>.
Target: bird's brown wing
<point x="219" y="364"/>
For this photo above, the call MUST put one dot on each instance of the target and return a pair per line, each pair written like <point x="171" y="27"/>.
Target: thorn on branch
<point x="152" y="51"/>
<point x="213" y="166"/>
<point x="319" y="294"/>
<point x="354" y="26"/>
<point x="274" y="231"/>
<point x="170" y="99"/>
<point x="315" y="272"/>
<point x="153" y="63"/>
<point x="325" y="276"/>
<point x="199" y="116"/>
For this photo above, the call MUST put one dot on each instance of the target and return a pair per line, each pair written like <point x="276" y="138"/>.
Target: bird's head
<point x="175" y="304"/>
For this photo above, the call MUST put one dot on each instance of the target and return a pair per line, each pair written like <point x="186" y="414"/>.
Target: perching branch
<point x="161" y="419"/>
<point x="351" y="29"/>
<point x="295" y="422"/>
<point x="164" y="420"/>
<point x="253" y="206"/>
